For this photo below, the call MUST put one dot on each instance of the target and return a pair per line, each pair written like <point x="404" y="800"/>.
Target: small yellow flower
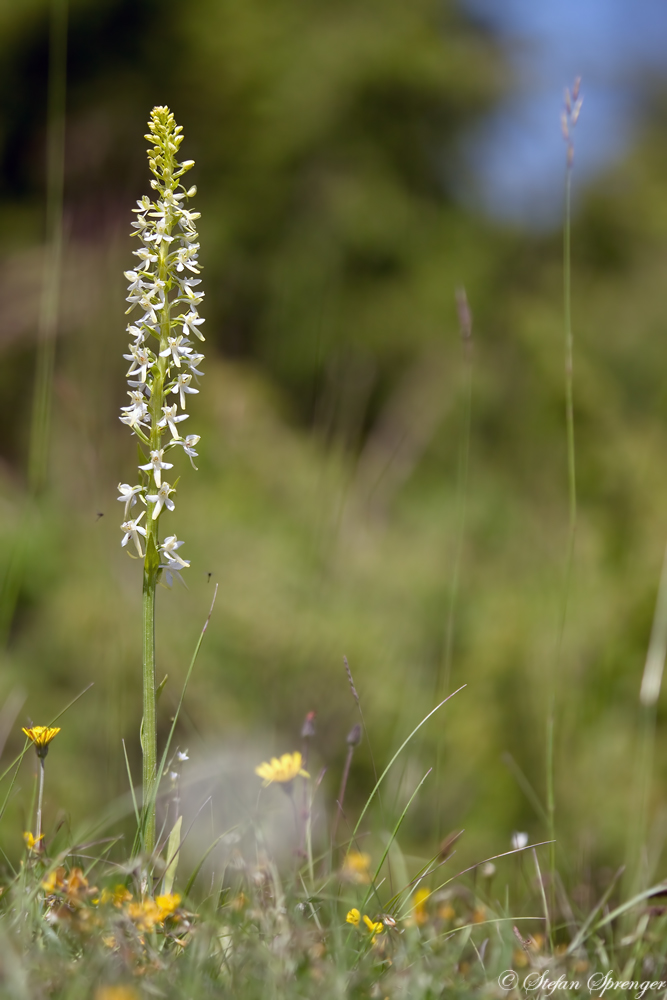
<point x="373" y="927"/>
<point x="356" y="868"/>
<point x="150" y="912"/>
<point x="32" y="842"/>
<point x="55" y="880"/>
<point x="353" y="917"/>
<point x="116" y="993"/>
<point x="41" y="736"/>
<point x="283" y="770"/>
<point x="419" y="909"/>
<point x="116" y="896"/>
<point x="145" y="914"/>
<point x="73" y="885"/>
<point x="167" y="904"/>
<point x="76" y="886"/>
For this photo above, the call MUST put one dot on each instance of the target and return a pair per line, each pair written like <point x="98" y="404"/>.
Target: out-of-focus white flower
<point x="170" y="569"/>
<point x="189" y="444"/>
<point x="168" y="549"/>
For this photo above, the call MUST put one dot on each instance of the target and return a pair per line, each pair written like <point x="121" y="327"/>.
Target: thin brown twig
<point x="353" y="740"/>
<point x="355" y="695"/>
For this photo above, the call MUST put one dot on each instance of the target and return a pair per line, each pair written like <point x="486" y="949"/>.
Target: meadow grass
<point x="352" y="916"/>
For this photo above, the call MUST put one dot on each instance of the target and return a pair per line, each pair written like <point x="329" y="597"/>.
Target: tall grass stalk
<point x="38" y="451"/>
<point x="48" y="316"/>
<point x="568" y="121"/>
<point x="637" y="857"/>
<point x="443" y="674"/>
<point x="465" y="327"/>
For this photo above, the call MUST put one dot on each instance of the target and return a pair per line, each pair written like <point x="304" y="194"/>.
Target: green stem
<point x="151" y="570"/>
<point x="461" y="503"/>
<point x="341" y="794"/>
<point x="149" y="724"/>
<point x="569" y="362"/>
<point x="149" y="720"/>
<point x="38" y="824"/>
<point x="572" y="527"/>
<point x="48" y="316"/>
<point x="551" y="805"/>
<point x="48" y="319"/>
<point x="443" y="673"/>
<point x="638" y="875"/>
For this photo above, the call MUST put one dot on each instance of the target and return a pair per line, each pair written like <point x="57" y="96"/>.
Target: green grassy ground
<point x="360" y="919"/>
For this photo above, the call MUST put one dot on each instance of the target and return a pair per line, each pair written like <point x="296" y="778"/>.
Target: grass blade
<point x="397" y="754"/>
<point x="394" y="834"/>
<point x="129" y="776"/>
<point x="154" y="794"/>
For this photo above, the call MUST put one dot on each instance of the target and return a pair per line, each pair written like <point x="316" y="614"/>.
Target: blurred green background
<point x="332" y="505"/>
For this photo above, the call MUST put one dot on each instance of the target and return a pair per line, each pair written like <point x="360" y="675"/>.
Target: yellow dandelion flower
<point x="356" y="868"/>
<point x="116" y="896"/>
<point x="116" y="993"/>
<point x="419" y="908"/>
<point x="145" y="914"/>
<point x="41" y="736"/>
<point x="167" y="904"/>
<point x="76" y="885"/>
<point x="374" y="927"/>
<point x="283" y="770"/>
<point x="54" y="880"/>
<point x="150" y="912"/>
<point x="353" y="917"/>
<point x="32" y="842"/>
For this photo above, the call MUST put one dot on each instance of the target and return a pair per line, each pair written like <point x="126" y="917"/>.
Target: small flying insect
<point x="100" y="514"/>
